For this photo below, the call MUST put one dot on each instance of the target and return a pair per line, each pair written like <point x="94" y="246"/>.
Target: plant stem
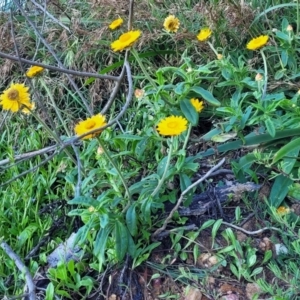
<point x="187" y="136"/>
<point x="117" y="169"/>
<point x="160" y="183"/>
<point x="54" y="106"/>
<point x="137" y="58"/>
<point x="51" y="133"/>
<point x="266" y="73"/>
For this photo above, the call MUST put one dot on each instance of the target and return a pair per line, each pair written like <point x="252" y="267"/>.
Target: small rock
<point x="193" y="294"/>
<point x="252" y="289"/>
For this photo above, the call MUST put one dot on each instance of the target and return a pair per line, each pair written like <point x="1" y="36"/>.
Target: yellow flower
<point x="115" y="24"/>
<point x="90" y="124"/>
<point x="281" y="210"/>
<point x="28" y="109"/>
<point x="257" y="43"/>
<point x="199" y="106"/>
<point x="171" y="24"/>
<point x="15" y="97"/>
<point x="126" y="40"/>
<point x="289" y="28"/>
<point x="173" y="125"/>
<point x="204" y="34"/>
<point x="34" y="71"/>
<point x="219" y="56"/>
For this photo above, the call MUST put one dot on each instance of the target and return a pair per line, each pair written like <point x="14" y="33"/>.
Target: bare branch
<point x="20" y="265"/>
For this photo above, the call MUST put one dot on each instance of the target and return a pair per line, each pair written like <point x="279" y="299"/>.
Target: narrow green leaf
<point x="189" y="111"/>
<point x="84" y="200"/>
<point x="279" y="190"/>
<point x="131" y="220"/>
<point x="121" y="235"/>
<point x="286" y="149"/>
<point x="215" y="229"/>
<point x="100" y="244"/>
<point x="141" y="147"/>
<point x="270" y="127"/>
<point x="206" y="95"/>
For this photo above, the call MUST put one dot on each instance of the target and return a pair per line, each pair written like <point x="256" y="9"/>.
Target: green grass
<point x="110" y="190"/>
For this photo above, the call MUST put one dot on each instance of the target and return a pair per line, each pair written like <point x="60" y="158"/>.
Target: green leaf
<point x="161" y="166"/>
<point x="294" y="144"/>
<point x="279" y="190"/>
<point x="50" y="292"/>
<point x="131" y="220"/>
<point x="121" y="235"/>
<point x="206" y="95"/>
<point x="181" y="88"/>
<point x="100" y="244"/>
<point x="84" y="200"/>
<point x="26" y="234"/>
<point x="270" y="127"/>
<point x="288" y="163"/>
<point x="282" y="36"/>
<point x="215" y="228"/>
<point x="126" y="136"/>
<point x="284" y="57"/>
<point x="141" y="147"/>
<point x="189" y="111"/>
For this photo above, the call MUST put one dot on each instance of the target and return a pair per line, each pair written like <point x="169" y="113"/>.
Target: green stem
<point x="160" y="183"/>
<point x="298" y="20"/>
<point x="187" y="136"/>
<point x="51" y="133"/>
<point x="212" y="48"/>
<point x="118" y="171"/>
<point x="54" y="106"/>
<point x="137" y="58"/>
<point x="266" y="73"/>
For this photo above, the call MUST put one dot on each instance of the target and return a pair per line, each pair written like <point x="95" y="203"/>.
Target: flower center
<point x="90" y="124"/>
<point x="172" y="124"/>
<point x="13" y="95"/>
<point x="125" y="37"/>
<point x="172" y="25"/>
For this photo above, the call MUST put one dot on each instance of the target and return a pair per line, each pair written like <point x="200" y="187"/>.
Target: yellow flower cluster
<point x="16" y="98"/>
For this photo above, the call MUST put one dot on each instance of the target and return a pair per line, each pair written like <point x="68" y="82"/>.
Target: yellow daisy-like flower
<point x="281" y="210"/>
<point x="258" y="42"/>
<point x="34" y="71"/>
<point x="126" y="40"/>
<point x="115" y="24"/>
<point x="173" y="125"/>
<point x="28" y="109"/>
<point x="199" y="105"/>
<point x="204" y="34"/>
<point x="15" y="97"/>
<point x="90" y="124"/>
<point x="171" y="23"/>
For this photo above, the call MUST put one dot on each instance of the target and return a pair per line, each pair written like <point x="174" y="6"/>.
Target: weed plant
<point x="98" y="127"/>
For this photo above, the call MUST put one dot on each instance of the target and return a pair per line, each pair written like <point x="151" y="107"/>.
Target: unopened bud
<point x="219" y="56"/>
<point x="258" y="77"/>
<point x="289" y="28"/>
<point x="139" y="93"/>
